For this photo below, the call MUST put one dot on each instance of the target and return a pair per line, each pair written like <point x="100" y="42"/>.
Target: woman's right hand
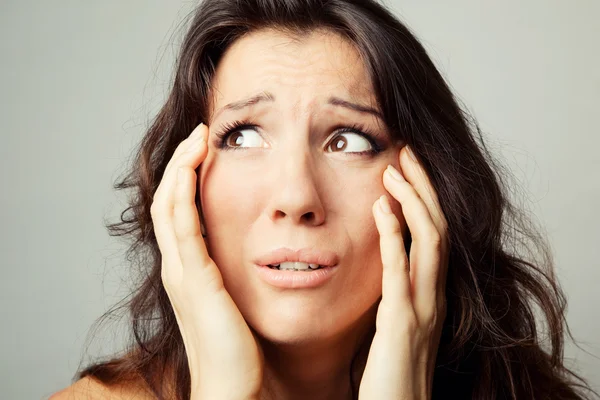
<point x="225" y="359"/>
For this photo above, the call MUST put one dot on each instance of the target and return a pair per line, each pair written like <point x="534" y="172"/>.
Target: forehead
<point x="304" y="68"/>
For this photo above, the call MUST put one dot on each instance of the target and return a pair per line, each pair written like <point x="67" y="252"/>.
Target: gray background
<point x="79" y="81"/>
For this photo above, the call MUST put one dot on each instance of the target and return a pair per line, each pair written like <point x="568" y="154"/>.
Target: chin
<point x="276" y="335"/>
<point x="293" y="324"/>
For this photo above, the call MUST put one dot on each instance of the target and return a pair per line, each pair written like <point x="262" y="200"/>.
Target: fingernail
<point x="197" y="132"/>
<point x="195" y="145"/>
<point x="385" y="204"/>
<point x="395" y="173"/>
<point x="411" y="153"/>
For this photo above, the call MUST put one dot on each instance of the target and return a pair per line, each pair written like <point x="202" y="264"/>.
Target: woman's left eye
<point x="353" y="139"/>
<point x="350" y="143"/>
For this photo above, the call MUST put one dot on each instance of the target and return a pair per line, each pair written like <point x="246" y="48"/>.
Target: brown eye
<point x="235" y="140"/>
<point x="354" y="141"/>
<point x="244" y="138"/>
<point x="339" y="143"/>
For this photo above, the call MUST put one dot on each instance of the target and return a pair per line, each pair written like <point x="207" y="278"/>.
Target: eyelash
<point x="227" y="129"/>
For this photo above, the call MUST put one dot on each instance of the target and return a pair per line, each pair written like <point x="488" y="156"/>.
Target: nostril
<point x="279" y="214"/>
<point x="309" y="217"/>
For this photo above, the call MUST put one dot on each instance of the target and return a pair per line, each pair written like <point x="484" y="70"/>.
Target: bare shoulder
<point x="89" y="388"/>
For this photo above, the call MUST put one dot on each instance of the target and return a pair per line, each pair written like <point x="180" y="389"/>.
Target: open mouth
<point x="296" y="266"/>
<point x="296" y="275"/>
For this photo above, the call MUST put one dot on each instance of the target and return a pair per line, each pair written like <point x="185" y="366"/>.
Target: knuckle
<point x="181" y="147"/>
<point x="188" y="231"/>
<point x="435" y="238"/>
<point x="444" y="225"/>
<point x="172" y="281"/>
<point x="156" y="207"/>
<point x="409" y="326"/>
<point x="394" y="227"/>
<point x="167" y="278"/>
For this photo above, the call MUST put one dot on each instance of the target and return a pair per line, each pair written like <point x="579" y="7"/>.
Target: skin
<point x="316" y="197"/>
<point x="246" y="340"/>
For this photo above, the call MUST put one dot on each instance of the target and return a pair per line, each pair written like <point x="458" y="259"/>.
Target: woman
<point x="356" y="241"/>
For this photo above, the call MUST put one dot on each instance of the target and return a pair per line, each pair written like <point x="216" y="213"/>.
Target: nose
<point x="295" y="196"/>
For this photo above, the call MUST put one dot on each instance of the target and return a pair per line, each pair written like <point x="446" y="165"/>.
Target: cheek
<point x="225" y="191"/>
<point x="355" y="203"/>
<point x="229" y="204"/>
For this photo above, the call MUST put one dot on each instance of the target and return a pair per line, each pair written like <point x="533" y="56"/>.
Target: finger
<point x="417" y="177"/>
<point x="163" y="205"/>
<point x="415" y="174"/>
<point x="425" y="249"/>
<point x="200" y="131"/>
<point x="181" y="156"/>
<point x="190" y="244"/>
<point x="395" y="281"/>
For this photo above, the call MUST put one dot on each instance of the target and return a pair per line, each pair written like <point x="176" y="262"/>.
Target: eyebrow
<point x="269" y="97"/>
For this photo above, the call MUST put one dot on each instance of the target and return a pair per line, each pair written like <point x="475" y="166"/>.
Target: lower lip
<point x="295" y="279"/>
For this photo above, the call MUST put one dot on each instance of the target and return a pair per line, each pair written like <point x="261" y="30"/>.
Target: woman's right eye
<point x="245" y="137"/>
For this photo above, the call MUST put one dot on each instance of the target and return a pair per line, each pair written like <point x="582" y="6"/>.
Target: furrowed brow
<point x="269" y="97"/>
<point x="336" y="101"/>
<point x="239" y="105"/>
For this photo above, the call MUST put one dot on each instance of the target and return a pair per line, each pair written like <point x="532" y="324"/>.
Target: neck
<point x="320" y="370"/>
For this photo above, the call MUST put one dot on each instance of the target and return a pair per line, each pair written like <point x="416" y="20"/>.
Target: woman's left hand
<point x="402" y="355"/>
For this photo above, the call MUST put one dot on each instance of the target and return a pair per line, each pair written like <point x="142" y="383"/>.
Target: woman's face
<point x="296" y="180"/>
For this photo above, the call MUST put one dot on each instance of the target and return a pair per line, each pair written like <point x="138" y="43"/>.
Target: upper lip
<point x="306" y="255"/>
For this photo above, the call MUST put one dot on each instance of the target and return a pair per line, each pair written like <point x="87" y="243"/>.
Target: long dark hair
<point x="500" y="267"/>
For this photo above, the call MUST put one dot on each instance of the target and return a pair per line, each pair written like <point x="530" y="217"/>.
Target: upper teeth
<point x="296" y="265"/>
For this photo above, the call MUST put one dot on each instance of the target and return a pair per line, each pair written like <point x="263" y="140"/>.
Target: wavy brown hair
<point x="500" y="271"/>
